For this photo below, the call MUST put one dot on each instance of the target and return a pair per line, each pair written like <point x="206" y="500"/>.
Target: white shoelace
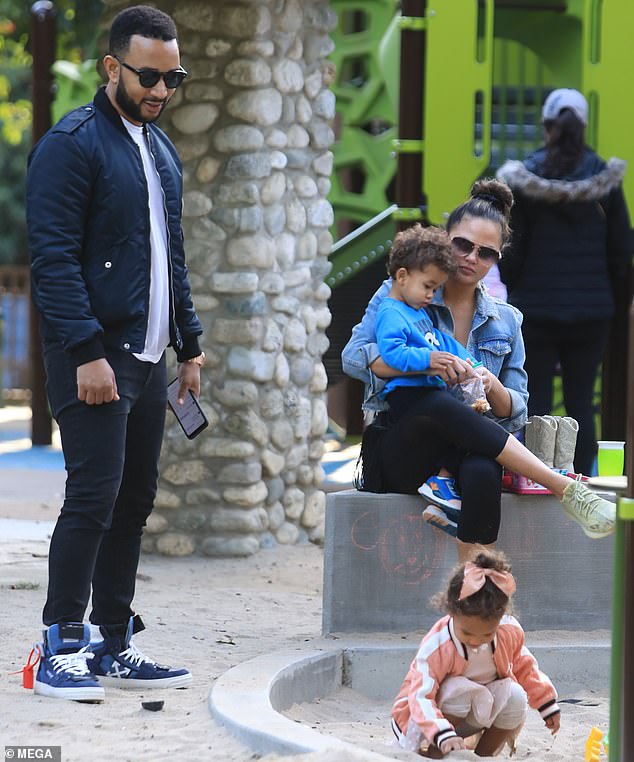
<point x="135" y="656"/>
<point x="587" y="501"/>
<point x="73" y="663"/>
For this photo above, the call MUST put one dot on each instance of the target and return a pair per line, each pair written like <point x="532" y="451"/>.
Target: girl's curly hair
<point x="487" y="603"/>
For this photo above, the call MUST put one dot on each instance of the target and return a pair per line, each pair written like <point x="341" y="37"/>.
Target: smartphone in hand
<point x="190" y="414"/>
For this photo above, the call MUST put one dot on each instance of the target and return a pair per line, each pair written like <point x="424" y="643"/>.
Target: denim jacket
<point x="495" y="340"/>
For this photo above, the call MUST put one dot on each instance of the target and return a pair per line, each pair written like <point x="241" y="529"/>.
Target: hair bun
<point x="493" y="192"/>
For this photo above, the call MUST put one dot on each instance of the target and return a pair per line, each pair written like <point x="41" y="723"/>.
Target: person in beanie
<point x="571" y="246"/>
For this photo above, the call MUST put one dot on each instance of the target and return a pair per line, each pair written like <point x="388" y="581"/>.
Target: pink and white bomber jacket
<point x="442" y="655"/>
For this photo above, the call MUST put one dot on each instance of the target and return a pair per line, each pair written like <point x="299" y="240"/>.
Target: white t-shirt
<point x="157" y="336"/>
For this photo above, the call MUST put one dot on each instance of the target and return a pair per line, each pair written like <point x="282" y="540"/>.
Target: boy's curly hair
<point x="417" y="247"/>
<point x="488" y="603"/>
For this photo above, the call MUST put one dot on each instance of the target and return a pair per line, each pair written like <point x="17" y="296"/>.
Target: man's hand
<point x="452" y="744"/>
<point x="189" y="378"/>
<point x="553" y="722"/>
<point x="96" y="383"/>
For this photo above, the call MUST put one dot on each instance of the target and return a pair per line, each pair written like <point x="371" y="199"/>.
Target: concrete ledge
<point x="248" y="699"/>
<point x="382" y="563"/>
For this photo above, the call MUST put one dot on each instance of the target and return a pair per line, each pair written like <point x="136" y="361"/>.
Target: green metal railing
<point x="365" y="245"/>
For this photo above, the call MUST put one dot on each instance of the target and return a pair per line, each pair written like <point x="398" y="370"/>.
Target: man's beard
<point x="130" y="108"/>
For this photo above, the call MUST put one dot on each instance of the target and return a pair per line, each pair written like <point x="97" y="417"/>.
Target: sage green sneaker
<point x="595" y="515"/>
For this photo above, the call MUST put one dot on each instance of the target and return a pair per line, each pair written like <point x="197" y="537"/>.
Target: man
<point x="104" y="195"/>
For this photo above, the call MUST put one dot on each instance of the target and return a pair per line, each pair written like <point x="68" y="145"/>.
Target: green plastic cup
<point x="611" y="458"/>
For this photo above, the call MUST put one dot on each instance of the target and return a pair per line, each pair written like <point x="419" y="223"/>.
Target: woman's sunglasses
<point x="150" y="77"/>
<point x="463" y="247"/>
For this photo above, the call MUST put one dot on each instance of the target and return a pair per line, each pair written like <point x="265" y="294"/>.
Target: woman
<point x="394" y="458"/>
<point x="571" y="247"/>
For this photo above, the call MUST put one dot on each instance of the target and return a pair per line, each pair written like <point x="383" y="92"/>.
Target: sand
<point x="208" y="615"/>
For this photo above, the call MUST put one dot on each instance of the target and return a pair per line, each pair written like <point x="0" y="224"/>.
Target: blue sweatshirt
<point x="405" y="338"/>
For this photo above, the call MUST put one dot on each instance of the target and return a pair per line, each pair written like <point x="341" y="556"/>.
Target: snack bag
<point x="471" y="392"/>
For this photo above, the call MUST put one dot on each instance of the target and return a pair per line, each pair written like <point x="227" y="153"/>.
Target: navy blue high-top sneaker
<point x="118" y="662"/>
<point x="63" y="671"/>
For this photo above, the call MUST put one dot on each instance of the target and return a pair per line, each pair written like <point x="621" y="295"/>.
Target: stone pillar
<point x="252" y="125"/>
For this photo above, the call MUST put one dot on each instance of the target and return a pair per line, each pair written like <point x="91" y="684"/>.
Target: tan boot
<point x="540" y="436"/>
<point x="565" y="443"/>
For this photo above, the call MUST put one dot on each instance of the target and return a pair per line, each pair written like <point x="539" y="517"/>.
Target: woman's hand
<point x="487" y="378"/>
<point x="452" y="744"/>
<point x="496" y="393"/>
<point x="553" y="722"/>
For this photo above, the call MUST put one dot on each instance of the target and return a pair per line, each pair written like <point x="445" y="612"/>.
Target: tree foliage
<point x="77" y="25"/>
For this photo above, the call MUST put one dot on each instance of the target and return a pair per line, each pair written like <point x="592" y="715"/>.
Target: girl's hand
<point x="452" y="744"/>
<point x="553" y="722"/>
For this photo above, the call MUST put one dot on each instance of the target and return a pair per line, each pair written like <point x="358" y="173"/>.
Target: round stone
<point x="240" y="137"/>
<point x="305" y="187"/>
<point x="288" y="76"/>
<point x="175" y="544"/>
<point x="245" y="21"/>
<point x="196" y="204"/>
<point x="293" y="502"/>
<point x="243" y="72"/>
<point x="230" y="547"/>
<point x="287" y="534"/>
<point x="320" y="418"/>
<point x="323" y="164"/>
<point x="263" y="107"/>
<point x="207" y="169"/>
<point x="324" y="105"/>
<point x="273" y="188"/>
<point x="195" y="117"/>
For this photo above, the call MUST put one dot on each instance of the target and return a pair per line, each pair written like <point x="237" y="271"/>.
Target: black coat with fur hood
<point x="571" y="242"/>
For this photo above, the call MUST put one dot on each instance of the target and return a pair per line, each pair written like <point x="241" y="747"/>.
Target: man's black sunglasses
<point x="463" y="247"/>
<point x="150" y="77"/>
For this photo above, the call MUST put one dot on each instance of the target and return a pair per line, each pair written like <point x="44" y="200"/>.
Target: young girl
<point x="439" y="427"/>
<point x="472" y="672"/>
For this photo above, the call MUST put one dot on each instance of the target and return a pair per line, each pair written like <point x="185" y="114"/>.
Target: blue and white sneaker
<point x="63" y="670"/>
<point x="118" y="662"/>
<point x="441" y="490"/>
<point x="439" y="519"/>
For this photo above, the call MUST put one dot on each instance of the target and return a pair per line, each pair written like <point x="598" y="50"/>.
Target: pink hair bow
<point x="476" y="576"/>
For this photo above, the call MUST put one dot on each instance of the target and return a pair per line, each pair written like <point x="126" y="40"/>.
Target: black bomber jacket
<point x="89" y="235"/>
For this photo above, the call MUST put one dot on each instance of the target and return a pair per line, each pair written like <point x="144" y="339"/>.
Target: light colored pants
<point x="502" y="703"/>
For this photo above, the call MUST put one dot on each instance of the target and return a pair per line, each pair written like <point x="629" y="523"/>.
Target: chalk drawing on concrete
<point x="405" y="547"/>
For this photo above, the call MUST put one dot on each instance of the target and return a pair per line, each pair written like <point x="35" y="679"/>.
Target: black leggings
<point x="579" y="348"/>
<point x="432" y="429"/>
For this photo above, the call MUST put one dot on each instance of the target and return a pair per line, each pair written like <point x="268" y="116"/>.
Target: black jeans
<point x="111" y="453"/>
<point x="578" y="348"/>
<point x="433" y="429"/>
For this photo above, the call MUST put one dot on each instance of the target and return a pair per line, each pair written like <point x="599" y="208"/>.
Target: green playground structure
<point x="444" y="91"/>
<point x="488" y="66"/>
